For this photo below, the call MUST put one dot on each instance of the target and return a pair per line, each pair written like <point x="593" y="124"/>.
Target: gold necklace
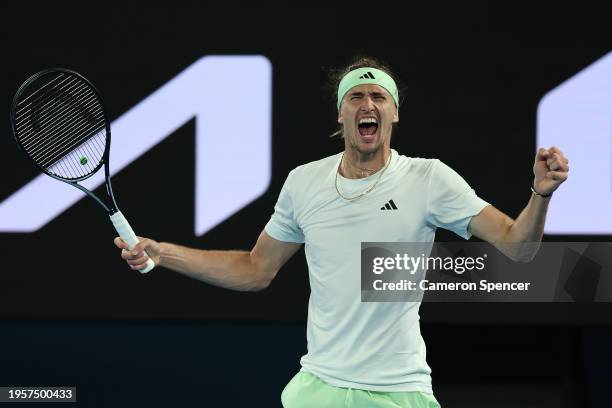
<point x="369" y="189"/>
<point x="363" y="172"/>
<point x="363" y="169"/>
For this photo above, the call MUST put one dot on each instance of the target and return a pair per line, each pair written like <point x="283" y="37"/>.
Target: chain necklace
<point x="365" y="172"/>
<point x="369" y="189"/>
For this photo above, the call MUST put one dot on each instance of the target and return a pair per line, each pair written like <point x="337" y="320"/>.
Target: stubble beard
<point x="365" y="155"/>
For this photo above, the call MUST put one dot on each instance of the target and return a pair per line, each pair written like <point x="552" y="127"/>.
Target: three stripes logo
<point x="389" y="206"/>
<point x="367" y="75"/>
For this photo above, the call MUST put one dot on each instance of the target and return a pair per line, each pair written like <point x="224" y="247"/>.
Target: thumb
<point x="141" y="246"/>
<point x="121" y="244"/>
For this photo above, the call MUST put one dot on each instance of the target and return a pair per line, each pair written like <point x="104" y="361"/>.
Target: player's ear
<point x="396" y="116"/>
<point x="340" y="120"/>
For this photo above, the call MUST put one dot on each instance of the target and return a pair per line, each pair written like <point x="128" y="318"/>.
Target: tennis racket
<point x="59" y="122"/>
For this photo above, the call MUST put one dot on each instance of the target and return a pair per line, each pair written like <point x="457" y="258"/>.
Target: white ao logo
<point x="230" y="98"/>
<point x="576" y="116"/>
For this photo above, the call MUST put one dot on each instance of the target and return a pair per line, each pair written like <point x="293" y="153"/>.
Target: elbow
<point x="260" y="285"/>
<point x="263" y="278"/>
<point x="263" y="272"/>
<point x="523" y="258"/>
<point x="526" y="252"/>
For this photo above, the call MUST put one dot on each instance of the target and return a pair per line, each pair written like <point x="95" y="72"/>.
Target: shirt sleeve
<point x="451" y="201"/>
<point x="283" y="225"/>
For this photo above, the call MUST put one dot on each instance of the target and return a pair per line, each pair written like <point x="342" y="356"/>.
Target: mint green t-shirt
<point x="374" y="346"/>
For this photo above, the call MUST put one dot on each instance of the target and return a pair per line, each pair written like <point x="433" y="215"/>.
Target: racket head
<point x="59" y="122"/>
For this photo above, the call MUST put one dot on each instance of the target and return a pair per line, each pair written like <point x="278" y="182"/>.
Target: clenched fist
<point x="550" y="169"/>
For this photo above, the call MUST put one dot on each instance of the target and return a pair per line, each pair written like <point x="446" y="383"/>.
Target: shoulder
<point x="313" y="170"/>
<point x="432" y="171"/>
<point x="417" y="166"/>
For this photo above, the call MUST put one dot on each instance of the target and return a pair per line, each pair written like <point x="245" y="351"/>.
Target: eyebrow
<point x="359" y="93"/>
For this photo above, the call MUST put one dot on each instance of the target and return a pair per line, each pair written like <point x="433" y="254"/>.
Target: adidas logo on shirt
<point x="367" y="75"/>
<point x="389" y="206"/>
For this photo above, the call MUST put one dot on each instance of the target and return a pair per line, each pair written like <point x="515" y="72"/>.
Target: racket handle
<point x="127" y="234"/>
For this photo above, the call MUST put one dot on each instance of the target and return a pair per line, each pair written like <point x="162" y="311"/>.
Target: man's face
<point x="367" y="115"/>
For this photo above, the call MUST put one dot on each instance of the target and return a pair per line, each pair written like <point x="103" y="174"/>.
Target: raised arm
<point x="520" y="239"/>
<point x="236" y="270"/>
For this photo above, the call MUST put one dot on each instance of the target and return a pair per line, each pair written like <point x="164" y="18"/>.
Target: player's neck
<point x="356" y="164"/>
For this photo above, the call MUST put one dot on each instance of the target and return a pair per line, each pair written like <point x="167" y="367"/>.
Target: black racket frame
<point x="110" y="209"/>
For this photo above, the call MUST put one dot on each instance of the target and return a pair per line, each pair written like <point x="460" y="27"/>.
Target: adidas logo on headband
<point x="353" y="79"/>
<point x="367" y="75"/>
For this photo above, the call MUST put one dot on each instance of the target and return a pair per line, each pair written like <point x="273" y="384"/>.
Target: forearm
<point x="228" y="269"/>
<point x="525" y="234"/>
<point x="520" y="239"/>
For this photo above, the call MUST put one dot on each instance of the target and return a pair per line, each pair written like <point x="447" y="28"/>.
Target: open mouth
<point x="367" y="128"/>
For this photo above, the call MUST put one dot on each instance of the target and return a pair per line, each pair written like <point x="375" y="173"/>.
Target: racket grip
<point x="127" y="234"/>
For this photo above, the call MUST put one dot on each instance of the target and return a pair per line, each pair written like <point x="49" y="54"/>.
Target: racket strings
<point x="46" y="91"/>
<point x="41" y="112"/>
<point x="54" y="115"/>
<point x="67" y="139"/>
<point x="82" y="160"/>
<point x="62" y="127"/>
<point x="41" y="89"/>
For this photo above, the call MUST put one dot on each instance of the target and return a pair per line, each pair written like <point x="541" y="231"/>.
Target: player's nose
<point x="367" y="105"/>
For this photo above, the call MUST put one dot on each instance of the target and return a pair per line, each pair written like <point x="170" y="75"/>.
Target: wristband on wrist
<point x="541" y="195"/>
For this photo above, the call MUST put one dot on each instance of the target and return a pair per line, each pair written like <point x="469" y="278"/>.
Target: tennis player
<point x="363" y="354"/>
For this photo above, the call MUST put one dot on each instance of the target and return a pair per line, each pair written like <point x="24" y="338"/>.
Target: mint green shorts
<point x="306" y="390"/>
